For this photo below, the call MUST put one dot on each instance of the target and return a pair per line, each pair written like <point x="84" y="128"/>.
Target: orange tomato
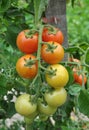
<point x="50" y="36"/>
<point x="25" y="44"/>
<point x="52" y="53"/>
<point x="24" y="70"/>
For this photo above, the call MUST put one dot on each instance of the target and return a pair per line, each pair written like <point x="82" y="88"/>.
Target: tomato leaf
<point x="87" y="57"/>
<point x="71" y="49"/>
<point x="4" y="5"/>
<point x="83" y="102"/>
<point x="71" y="78"/>
<point x="39" y="8"/>
<point x="84" y="46"/>
<point x="74" y="89"/>
<point x="68" y="128"/>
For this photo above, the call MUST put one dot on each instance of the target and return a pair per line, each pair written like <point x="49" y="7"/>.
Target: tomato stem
<point x="29" y="127"/>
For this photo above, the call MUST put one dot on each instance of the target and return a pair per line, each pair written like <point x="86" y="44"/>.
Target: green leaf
<point x="87" y="56"/>
<point x="71" y="78"/>
<point x="83" y="102"/>
<point x="67" y="128"/>
<point x="71" y="49"/>
<point x="39" y="8"/>
<point x="11" y="35"/>
<point x="74" y="89"/>
<point x="84" y="46"/>
<point x="4" y="5"/>
<point x="11" y="109"/>
<point x="73" y="3"/>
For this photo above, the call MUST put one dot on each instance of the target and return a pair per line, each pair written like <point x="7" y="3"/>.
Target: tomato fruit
<point x="52" y="53"/>
<point x="24" y="106"/>
<point x="27" y="44"/>
<point x="46" y="109"/>
<point x="59" y="78"/>
<point x="49" y="36"/>
<point x="56" y="98"/>
<point x="79" y="78"/>
<point x="26" y="71"/>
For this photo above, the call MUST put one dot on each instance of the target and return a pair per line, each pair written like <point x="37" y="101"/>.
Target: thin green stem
<point x="29" y="127"/>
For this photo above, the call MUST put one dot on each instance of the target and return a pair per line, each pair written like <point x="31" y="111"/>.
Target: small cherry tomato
<point x="24" y="106"/>
<point x="27" y="71"/>
<point x="56" y="98"/>
<point x="51" y="36"/>
<point x="46" y="109"/>
<point x="59" y="78"/>
<point x="52" y="53"/>
<point x="81" y="78"/>
<point x="27" y="44"/>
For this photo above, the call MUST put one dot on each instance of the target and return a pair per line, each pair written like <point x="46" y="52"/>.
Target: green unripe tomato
<point x="24" y="106"/>
<point x="46" y="109"/>
<point x="56" y="98"/>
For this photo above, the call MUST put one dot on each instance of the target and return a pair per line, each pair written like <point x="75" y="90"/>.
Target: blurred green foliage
<point x="78" y="22"/>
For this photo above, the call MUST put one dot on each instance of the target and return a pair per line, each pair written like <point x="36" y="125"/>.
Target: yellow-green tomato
<point x="24" y="106"/>
<point x="59" y="78"/>
<point x="46" y="109"/>
<point x="56" y="98"/>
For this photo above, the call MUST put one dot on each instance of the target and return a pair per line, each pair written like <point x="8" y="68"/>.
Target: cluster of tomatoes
<point x="56" y="75"/>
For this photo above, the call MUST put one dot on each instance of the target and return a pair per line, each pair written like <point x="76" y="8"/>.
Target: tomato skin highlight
<point x="26" y="71"/>
<point x="56" y="98"/>
<point x="60" y="78"/>
<point x="24" y="106"/>
<point x="47" y="36"/>
<point x="52" y="57"/>
<point x="27" y="45"/>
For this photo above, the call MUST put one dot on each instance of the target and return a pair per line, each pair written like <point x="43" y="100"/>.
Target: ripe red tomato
<point x="52" y="53"/>
<point x="25" y="44"/>
<point x="49" y="36"/>
<point x="26" y="71"/>
<point x="78" y="78"/>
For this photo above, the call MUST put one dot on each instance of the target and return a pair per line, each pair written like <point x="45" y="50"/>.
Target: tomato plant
<point x="31" y="63"/>
<point x="52" y="52"/>
<point x="27" y="42"/>
<point x="59" y="78"/>
<point x="26" y="66"/>
<point x="53" y="34"/>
